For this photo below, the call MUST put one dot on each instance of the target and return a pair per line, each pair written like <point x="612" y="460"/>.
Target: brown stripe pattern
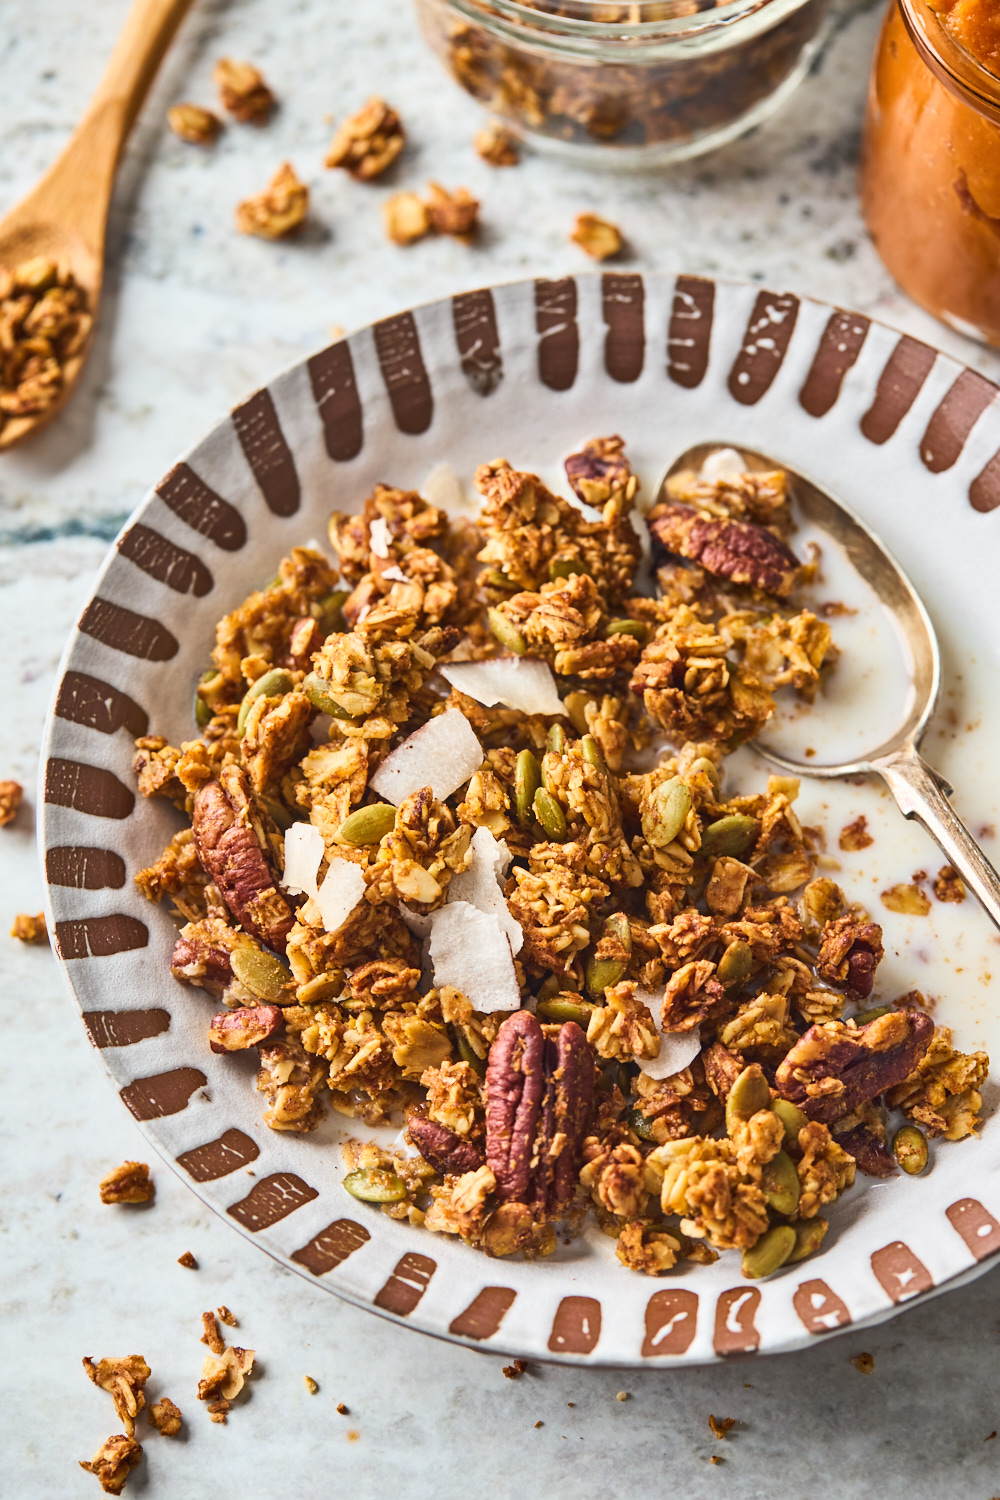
<point x="478" y="342"/>
<point x="899" y="1273"/>
<point x="268" y="454"/>
<point x="397" y="344"/>
<point x="765" y="344"/>
<point x="166" y="562"/>
<point x="484" y="1314"/>
<point x="123" y="630"/>
<point x="123" y="1028"/>
<point x="407" y="1284"/>
<point x="100" y="937"/>
<point x="82" y="868"/>
<point x="622" y="301"/>
<point x="671" y="1323"/>
<point x="271" y="1200"/>
<point x="819" y="1308"/>
<point x="954" y="418"/>
<point x="899" y="384"/>
<point x="735" y="1326"/>
<point x="86" y="789"/>
<point x="199" y="507"/>
<point x="839" y="347"/>
<point x="690" y="333"/>
<point x="576" y="1326"/>
<point x="97" y="705"/>
<point x="218" y="1158"/>
<point x="558" y="334"/>
<point x="331" y="1247"/>
<point x="163" y="1094"/>
<point x="976" y="1225"/>
<point x="335" y="391"/>
<point x="984" y="491"/>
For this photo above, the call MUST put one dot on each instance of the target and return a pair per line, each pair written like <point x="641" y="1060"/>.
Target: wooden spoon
<point x="65" y="217"/>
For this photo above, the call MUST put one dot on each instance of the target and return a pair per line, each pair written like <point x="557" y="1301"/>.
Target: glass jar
<point x="930" y="169"/>
<point x="638" y="84"/>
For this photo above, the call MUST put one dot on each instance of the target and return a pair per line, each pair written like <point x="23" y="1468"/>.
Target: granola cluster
<point x="44" y="323"/>
<point x="587" y="974"/>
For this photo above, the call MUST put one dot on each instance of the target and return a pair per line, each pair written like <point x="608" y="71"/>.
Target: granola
<point x="11" y="797"/>
<point x="129" y="1183"/>
<point x="279" y="210"/>
<point x="113" y="1462"/>
<point x="30" y="929"/>
<point x="367" y="143"/>
<point x="194" y="124"/>
<point x="44" y="323"/>
<point x="585" y="975"/>
<point x="598" y="237"/>
<point x="243" y="91"/>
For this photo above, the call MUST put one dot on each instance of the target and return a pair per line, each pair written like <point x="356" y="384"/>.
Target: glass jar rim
<point x="652" y="19"/>
<point x="951" y="63"/>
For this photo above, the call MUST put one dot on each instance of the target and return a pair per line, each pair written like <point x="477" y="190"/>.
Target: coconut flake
<point x="380" y="537"/>
<point x="520" y="682"/>
<point x="479" y="884"/>
<point x="443" y="488"/>
<point x="469" y="951"/>
<point x="724" y="463"/>
<point x="395" y="575"/>
<point x="678" y="1049"/>
<point x="442" y="754"/>
<point x="343" y="887"/>
<point x="304" y="849"/>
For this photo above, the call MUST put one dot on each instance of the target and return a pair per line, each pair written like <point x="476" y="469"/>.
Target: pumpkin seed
<point x="808" y="1237"/>
<point x="492" y="578"/>
<point x="261" y="973"/>
<point x="565" y="567"/>
<point x="793" y="1118"/>
<point x="467" y="1053"/>
<point x="203" y="712"/>
<point x="560" y="1008"/>
<point x="506" y="632"/>
<point x="550" y="815"/>
<point x="599" y="973"/>
<point x="278" y="814"/>
<point x="749" y="1094"/>
<point x="770" y="1252"/>
<point x="273" y="684"/>
<point x="780" y="1183"/>
<point x="618" y="926"/>
<point x="325" y="986"/>
<point x="527" y="780"/>
<point x="575" y="707"/>
<point x="634" y="628"/>
<point x="730" y="835"/>
<point x="331" y="608"/>
<point x="369" y="825"/>
<point x="591" y="752"/>
<point x="864" y="1017"/>
<point x="909" y="1147"/>
<point x="373" y="1185"/>
<point x="556" y="741"/>
<point x="317" y="690"/>
<point x="665" y="812"/>
<point x="705" y="767"/>
<point x="735" y="964"/>
<point x="641" y="1124"/>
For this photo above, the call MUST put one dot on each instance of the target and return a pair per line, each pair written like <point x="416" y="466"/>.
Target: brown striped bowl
<point x="904" y="434"/>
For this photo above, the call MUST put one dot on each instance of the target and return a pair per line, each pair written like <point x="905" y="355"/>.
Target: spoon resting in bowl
<point x="64" y="218"/>
<point x="920" y="792"/>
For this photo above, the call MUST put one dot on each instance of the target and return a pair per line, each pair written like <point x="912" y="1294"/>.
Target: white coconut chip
<point x="724" y="463"/>
<point x="479" y="884"/>
<point x="469" y="950"/>
<point x="395" y="575"/>
<point x="678" y="1049"/>
<point x="443" y="754"/>
<point x="380" y="537"/>
<point x="443" y="488"/>
<point x="519" y="682"/>
<point x="343" y="887"/>
<point x="304" y="849"/>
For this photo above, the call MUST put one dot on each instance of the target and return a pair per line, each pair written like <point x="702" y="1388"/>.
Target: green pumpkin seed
<point x="369" y="825"/>
<point x="791" y="1117"/>
<point x="506" y="632"/>
<point x="261" y="973"/>
<point x="665" y="812"/>
<point x="492" y="578"/>
<point x="562" y="1009"/>
<point x="527" y="780"/>
<point x="909" y="1147"/>
<point x="705" y="767"/>
<point x="780" y="1183"/>
<point x="618" y="926"/>
<point x="317" y="690"/>
<point x="278" y="814"/>
<point x="565" y="567"/>
<point x="575" y="707"/>
<point x="556" y="741"/>
<point x="735" y="964"/>
<point x="599" y="973"/>
<point x="550" y="815"/>
<point x="730" y="835"/>
<point x="203" y="711"/>
<point x="331" y="608"/>
<point x="641" y="1124"/>
<point x="808" y="1237"/>
<point x="864" y="1017"/>
<point x="273" y="684"/>
<point x="591" y="752"/>
<point x="468" y="1054"/>
<point x="749" y="1094"/>
<point x="770" y="1252"/>
<point x="372" y="1185"/>
<point x="634" y="628"/>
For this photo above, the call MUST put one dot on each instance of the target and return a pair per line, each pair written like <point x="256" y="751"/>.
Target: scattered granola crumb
<point x="123" y="1379"/>
<point x="217" y="1411"/>
<point x="166" y="1417"/>
<point x="454" y="213"/>
<point x="949" y="885"/>
<point x="495" y="144"/>
<point x="570" y="1403"/>
<point x="906" y="899"/>
<point x="405" y="218"/>
<point x="990" y="1435"/>
<point x="129" y="1183"/>
<point x="311" y="1385"/>
<point x="113" y="1462"/>
<point x="715" y="1459"/>
<point x="721" y="1426"/>
<point x="342" y="1409"/>
<point x="622" y="1396"/>
<point x="223" y="1377"/>
<point x="225" y="1316"/>
<point x="539" y="1424"/>
<point x="865" y="1363"/>
<point x="44" y="322"/>
<point x="187" y="1259"/>
<point x="855" y="836"/>
<point x="11" y="792"/>
<point x="194" y="124"/>
<point x="211" y="1336"/>
<point x="516" y="1370"/>
<point x="243" y="91"/>
<point x="29" y="929"/>
<point x="277" y="211"/>
<point x="367" y="143"/>
<point x="597" y="236"/>
<point x="835" y="607"/>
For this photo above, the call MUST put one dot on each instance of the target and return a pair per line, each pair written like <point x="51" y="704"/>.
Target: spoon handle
<point x="921" y="793"/>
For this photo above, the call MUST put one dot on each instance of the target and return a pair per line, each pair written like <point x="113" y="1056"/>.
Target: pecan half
<point x="231" y="852"/>
<point x="565" y="1117"/>
<point x="850" y="952"/>
<point x="515" y="1083"/>
<point x="833" y="1068"/>
<point x="600" y="471"/>
<point x="737" y="550"/>
<point x="869" y="1151"/>
<point x="442" y="1148"/>
<point x="198" y="963"/>
<point x="236" y="1030"/>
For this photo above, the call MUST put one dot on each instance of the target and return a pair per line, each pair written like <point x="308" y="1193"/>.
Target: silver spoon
<point x="919" y="790"/>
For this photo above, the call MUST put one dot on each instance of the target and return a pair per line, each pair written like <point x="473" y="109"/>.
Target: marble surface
<point x="196" y="317"/>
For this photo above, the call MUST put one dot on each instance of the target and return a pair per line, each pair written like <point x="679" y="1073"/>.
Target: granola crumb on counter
<point x="211" y="1335"/>
<point x="193" y="123"/>
<point x="715" y="1459"/>
<point x="225" y="1316"/>
<point x="864" y="1363"/>
<point x="368" y="142"/>
<point x="243" y="91"/>
<point x="123" y="1379"/>
<point x="406" y="218"/>
<point x="217" y="1411"/>
<point x="279" y="210"/>
<point x="908" y="900"/>
<point x="453" y="213"/>
<point x="312" y="1386"/>
<point x="129" y="1183"/>
<point x="855" y="836"/>
<point x="187" y="1259"/>
<point x="166" y="1417"/>
<point x="948" y="884"/>
<point x="342" y="1409"/>
<point x="598" y="237"/>
<point x="721" y="1426"/>
<point x="539" y="1424"/>
<point x="44" y="323"/>
<point x="113" y="1462"/>
<point x="497" y="146"/>
<point x="622" y="1396"/>
<point x="11" y="792"/>
<point x="30" y="929"/>
<point x="515" y="1370"/>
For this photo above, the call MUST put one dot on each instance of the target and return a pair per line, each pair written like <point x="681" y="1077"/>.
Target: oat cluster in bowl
<point x="459" y="853"/>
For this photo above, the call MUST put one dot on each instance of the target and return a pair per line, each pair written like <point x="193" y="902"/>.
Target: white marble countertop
<point x="196" y="318"/>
